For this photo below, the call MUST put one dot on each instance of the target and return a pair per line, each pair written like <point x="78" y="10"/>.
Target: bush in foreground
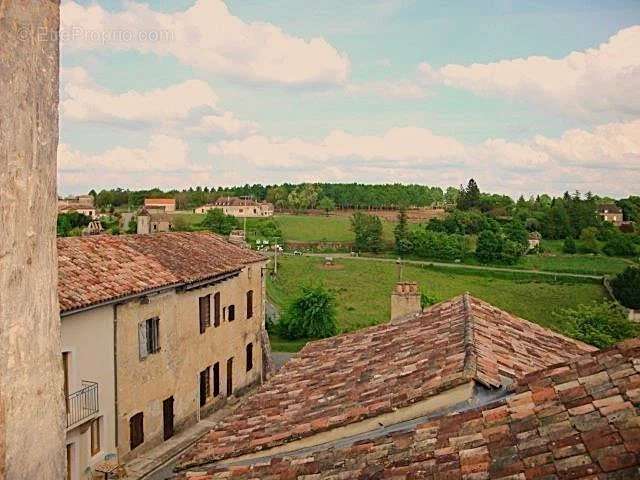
<point x="310" y="315"/>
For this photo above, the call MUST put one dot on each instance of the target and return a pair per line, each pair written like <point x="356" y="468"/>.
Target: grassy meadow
<point x="363" y="290"/>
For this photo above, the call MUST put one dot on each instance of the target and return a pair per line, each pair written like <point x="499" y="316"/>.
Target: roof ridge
<point x="470" y="359"/>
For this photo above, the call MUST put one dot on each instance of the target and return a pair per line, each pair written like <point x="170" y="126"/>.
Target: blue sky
<point x="525" y="96"/>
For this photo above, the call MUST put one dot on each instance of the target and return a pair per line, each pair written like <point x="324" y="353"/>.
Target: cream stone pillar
<point x="32" y="428"/>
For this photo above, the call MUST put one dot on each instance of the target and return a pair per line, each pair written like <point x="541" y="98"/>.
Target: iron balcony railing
<point x="82" y="404"/>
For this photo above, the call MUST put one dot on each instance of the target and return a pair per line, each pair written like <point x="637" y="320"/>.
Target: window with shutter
<point x="249" y="357"/>
<point x="205" y="312"/>
<point x="136" y="430"/>
<point x="231" y="313"/>
<point x="216" y="379"/>
<point x="153" y="335"/>
<point x="142" y="340"/>
<point x="250" y="304"/>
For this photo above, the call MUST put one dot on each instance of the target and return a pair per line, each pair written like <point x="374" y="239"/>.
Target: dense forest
<point x="569" y="214"/>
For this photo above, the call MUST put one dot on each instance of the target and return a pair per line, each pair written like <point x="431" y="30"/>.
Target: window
<point x="205" y="385"/>
<point x="205" y="312"/>
<point x="249" y="357"/>
<point x="231" y="313"/>
<point x="65" y="366"/>
<point x="136" y="430"/>
<point x="216" y="379"/>
<point x="149" y="337"/>
<point x="95" y="437"/>
<point x="250" y="304"/>
<point x="216" y="309"/>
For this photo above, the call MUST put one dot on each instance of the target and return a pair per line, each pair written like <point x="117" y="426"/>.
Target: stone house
<point x="611" y="213"/>
<point x="157" y="331"/>
<point x="153" y="221"/>
<point x="243" y="207"/>
<point x="165" y="204"/>
<point x="534" y="240"/>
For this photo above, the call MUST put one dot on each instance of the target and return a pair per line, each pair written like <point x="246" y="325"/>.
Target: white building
<point x="239" y="207"/>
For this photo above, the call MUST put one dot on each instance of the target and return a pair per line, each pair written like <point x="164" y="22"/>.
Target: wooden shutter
<point x="250" y="304"/>
<point x="142" y="340"/>
<point x="136" y="430"/>
<point x="216" y="379"/>
<point x="216" y="309"/>
<point x="205" y="312"/>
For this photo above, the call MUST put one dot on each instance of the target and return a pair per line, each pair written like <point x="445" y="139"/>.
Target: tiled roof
<point x="573" y="420"/>
<point x="96" y="269"/>
<point x="159" y="201"/>
<point x="610" y="207"/>
<point x="346" y="379"/>
<point x="236" y="202"/>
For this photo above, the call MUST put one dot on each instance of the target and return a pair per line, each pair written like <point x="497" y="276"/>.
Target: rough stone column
<point x="32" y="439"/>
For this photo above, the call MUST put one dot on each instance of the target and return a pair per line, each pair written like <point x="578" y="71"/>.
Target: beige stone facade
<point x="239" y="207"/>
<point x="174" y="371"/>
<point x="31" y="399"/>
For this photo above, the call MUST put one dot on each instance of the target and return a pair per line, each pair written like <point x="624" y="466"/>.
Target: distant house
<point x="239" y="207"/>
<point x="611" y="213"/>
<point x="79" y="203"/>
<point x="534" y="240"/>
<point x="153" y="221"/>
<point x="166" y="204"/>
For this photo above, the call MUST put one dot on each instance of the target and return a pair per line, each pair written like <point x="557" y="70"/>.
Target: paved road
<point x="456" y="265"/>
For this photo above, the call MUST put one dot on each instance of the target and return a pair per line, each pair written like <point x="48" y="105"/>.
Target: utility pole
<point x="400" y="272"/>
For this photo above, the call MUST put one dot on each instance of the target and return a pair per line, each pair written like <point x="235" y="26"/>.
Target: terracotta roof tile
<point x="485" y="443"/>
<point x="351" y="377"/>
<point x="96" y="269"/>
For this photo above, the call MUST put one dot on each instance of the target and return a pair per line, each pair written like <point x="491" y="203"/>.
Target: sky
<point x="524" y="96"/>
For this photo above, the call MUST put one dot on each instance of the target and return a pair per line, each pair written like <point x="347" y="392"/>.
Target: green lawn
<point x="588" y="264"/>
<point x="363" y="291"/>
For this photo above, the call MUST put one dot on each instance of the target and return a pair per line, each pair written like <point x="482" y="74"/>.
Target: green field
<point x="333" y="228"/>
<point x="363" y="290"/>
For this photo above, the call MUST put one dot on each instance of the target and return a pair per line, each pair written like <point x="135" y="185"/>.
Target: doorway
<point x="167" y="417"/>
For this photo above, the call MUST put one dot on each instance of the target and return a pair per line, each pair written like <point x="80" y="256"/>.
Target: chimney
<point x="405" y="300"/>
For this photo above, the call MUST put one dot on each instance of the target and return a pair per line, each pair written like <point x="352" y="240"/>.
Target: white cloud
<point x="398" y="89"/>
<point x="603" y="80"/>
<point x="605" y="160"/>
<point x="83" y="100"/>
<point x="206" y="36"/>
<point x="190" y="107"/>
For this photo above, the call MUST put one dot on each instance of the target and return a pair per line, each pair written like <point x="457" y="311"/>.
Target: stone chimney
<point x="405" y="300"/>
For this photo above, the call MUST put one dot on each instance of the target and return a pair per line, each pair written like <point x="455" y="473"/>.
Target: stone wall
<point x="31" y="385"/>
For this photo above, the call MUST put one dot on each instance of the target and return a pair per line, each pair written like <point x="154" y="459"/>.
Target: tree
<point x="469" y="197"/>
<point x="599" y="324"/>
<point x="180" y="224"/>
<point x="311" y="315"/>
<point x="620" y="245"/>
<point x="626" y="287"/>
<point x="589" y="240"/>
<point x="401" y="234"/>
<point x="216" y="221"/>
<point x="516" y="232"/>
<point x="368" y="231"/>
<point x="132" y="226"/>
<point x="71" y="223"/>
<point x="570" y="246"/>
<point x="327" y="204"/>
<point x="489" y="248"/>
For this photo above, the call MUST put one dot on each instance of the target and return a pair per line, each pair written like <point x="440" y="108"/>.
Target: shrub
<point x="599" y="324"/>
<point x="620" y="245"/>
<point x="589" y="240"/>
<point x="427" y="300"/>
<point x="216" y="221"/>
<point x="570" y="246"/>
<point x="489" y="248"/>
<point x="438" y="245"/>
<point x="626" y="287"/>
<point x="368" y="231"/>
<point x="311" y="315"/>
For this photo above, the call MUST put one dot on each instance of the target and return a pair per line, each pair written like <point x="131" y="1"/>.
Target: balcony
<point x="83" y="404"/>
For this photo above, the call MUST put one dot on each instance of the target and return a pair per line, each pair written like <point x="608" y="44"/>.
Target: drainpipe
<point x="115" y="369"/>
